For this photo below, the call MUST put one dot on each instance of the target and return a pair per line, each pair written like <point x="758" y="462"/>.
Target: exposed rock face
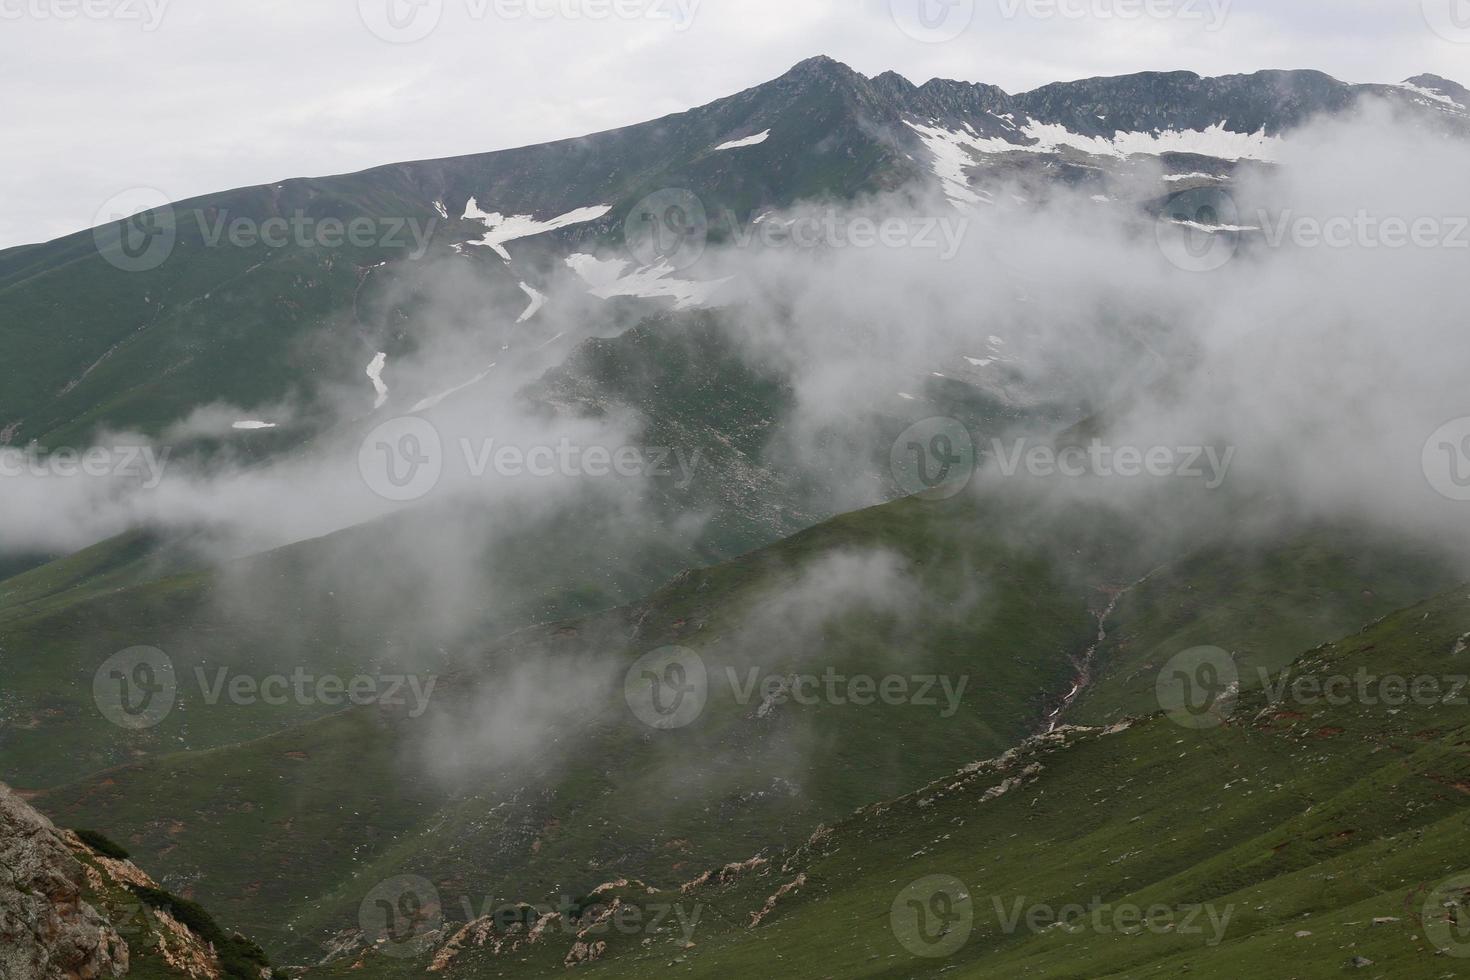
<point x="723" y="876"/>
<point x="756" y="918"/>
<point x="47" y="929"/>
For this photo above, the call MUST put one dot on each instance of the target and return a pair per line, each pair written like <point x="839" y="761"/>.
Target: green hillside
<point x="579" y="791"/>
<point x="1297" y="839"/>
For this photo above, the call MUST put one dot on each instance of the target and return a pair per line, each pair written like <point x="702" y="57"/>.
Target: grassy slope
<point x="1304" y="824"/>
<point x="137" y="351"/>
<point x="610" y="797"/>
<point x="330" y="823"/>
<point x="59" y="623"/>
<point x="682" y="374"/>
<point x="1263" y="606"/>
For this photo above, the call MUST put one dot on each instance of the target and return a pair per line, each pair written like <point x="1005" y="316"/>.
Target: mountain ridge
<point x="823" y="68"/>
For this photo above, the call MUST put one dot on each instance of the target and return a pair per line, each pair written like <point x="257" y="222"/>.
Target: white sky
<point x="193" y="96"/>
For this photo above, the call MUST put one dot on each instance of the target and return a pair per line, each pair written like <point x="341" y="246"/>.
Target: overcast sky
<point x="193" y="96"/>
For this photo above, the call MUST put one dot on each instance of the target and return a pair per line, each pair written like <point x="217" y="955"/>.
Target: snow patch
<point x="995" y="353"/>
<point x="1213" y="229"/>
<point x="375" y="375"/>
<point x="1432" y="94"/>
<point x="538" y="300"/>
<point x="755" y="140"/>
<point x="433" y="400"/>
<point x="949" y="158"/>
<point x="1216" y="141"/>
<point x="500" y="228"/>
<point x="606" y="278"/>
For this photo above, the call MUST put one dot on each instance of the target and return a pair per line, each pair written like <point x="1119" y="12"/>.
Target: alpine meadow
<point x="991" y="500"/>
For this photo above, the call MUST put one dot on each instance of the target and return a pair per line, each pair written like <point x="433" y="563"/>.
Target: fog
<point x="1317" y="374"/>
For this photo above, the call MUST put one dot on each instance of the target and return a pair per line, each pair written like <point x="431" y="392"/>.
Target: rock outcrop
<point x="68" y="911"/>
<point x="47" y="927"/>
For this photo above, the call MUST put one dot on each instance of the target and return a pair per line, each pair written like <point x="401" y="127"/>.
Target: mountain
<point x="254" y="325"/>
<point x="519" y="792"/>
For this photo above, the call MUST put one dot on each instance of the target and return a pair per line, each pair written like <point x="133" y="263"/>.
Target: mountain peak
<point x="1443" y="87"/>
<point x="821" y="66"/>
<point x="1430" y="79"/>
